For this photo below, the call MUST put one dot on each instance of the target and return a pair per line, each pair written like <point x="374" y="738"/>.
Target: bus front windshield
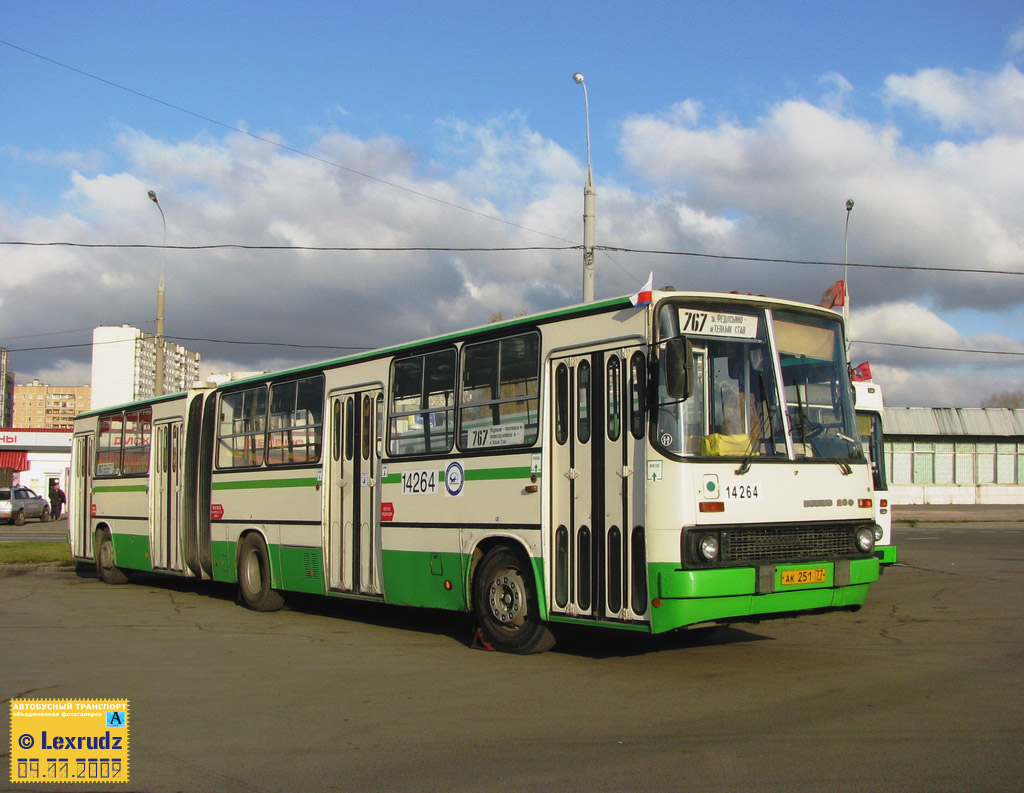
<point x="737" y="383"/>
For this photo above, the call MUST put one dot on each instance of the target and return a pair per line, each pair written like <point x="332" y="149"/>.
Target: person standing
<point x="57" y="500"/>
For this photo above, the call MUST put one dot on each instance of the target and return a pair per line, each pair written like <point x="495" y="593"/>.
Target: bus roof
<point x="578" y="310"/>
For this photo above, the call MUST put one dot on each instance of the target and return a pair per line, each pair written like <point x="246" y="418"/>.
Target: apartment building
<point x="43" y="406"/>
<point x="124" y="366"/>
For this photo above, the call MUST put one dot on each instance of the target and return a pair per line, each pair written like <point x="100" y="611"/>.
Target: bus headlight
<point x="708" y="547"/>
<point x="865" y="539"/>
<point x="878" y="533"/>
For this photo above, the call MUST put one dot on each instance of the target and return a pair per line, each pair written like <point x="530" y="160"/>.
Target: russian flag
<point x="834" y="296"/>
<point x="861" y="373"/>
<point x="644" y="297"/>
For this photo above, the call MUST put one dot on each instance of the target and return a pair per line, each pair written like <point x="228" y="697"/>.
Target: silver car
<point x="18" y="503"/>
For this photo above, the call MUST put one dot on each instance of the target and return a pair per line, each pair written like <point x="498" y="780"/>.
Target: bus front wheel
<point x="106" y="561"/>
<point x="254" y="576"/>
<point x="505" y="604"/>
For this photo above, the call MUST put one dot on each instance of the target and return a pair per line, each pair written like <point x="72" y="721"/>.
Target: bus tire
<point x="505" y="604"/>
<point x="254" y="576"/>
<point x="106" y="562"/>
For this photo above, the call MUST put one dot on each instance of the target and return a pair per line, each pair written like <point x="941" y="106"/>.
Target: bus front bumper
<point x="687" y="597"/>
<point x="887" y="554"/>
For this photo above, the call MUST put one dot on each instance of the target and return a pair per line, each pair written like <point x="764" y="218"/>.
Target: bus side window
<point x="336" y="419"/>
<point x="109" y="444"/>
<point x="614" y="398"/>
<point x="499" y="401"/>
<point x="422" y="406"/>
<point x="367" y="428"/>
<point x="583" y="401"/>
<point x="561" y="404"/>
<point x="350" y="427"/>
<point x="637" y="394"/>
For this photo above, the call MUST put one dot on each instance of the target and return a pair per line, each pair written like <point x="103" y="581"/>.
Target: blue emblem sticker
<point x="454" y="478"/>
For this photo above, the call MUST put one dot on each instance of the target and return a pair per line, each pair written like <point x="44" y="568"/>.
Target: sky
<point x="727" y="137"/>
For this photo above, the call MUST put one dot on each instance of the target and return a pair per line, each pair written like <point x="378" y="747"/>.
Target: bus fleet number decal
<point x="746" y="492"/>
<point x="419" y="483"/>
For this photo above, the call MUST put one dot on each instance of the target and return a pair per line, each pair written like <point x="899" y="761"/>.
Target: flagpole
<point x="846" y="274"/>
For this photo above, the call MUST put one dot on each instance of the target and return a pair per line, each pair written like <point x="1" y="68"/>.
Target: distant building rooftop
<point x="955" y="422"/>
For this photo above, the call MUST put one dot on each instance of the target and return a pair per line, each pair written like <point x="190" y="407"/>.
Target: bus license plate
<point x="814" y="575"/>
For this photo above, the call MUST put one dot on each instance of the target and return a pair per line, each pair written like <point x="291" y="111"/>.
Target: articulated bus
<point x="686" y="463"/>
<point x="868" y="402"/>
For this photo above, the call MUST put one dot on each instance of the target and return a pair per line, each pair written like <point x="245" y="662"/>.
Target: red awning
<point x="17" y="461"/>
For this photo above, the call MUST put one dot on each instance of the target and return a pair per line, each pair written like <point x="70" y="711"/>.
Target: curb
<point x="40" y="568"/>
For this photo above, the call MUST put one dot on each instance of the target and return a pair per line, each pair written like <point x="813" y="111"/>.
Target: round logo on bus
<point x="454" y="478"/>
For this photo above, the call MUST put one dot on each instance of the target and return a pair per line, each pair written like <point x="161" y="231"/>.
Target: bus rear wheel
<point x="254" y="576"/>
<point x="505" y="604"/>
<point x="106" y="561"/>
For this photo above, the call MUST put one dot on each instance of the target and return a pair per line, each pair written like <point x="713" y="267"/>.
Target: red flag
<point x="644" y="297"/>
<point x="861" y="372"/>
<point x="835" y="295"/>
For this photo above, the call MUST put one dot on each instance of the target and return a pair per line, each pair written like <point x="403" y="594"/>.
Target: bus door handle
<point x="625" y="472"/>
<point x="571" y="474"/>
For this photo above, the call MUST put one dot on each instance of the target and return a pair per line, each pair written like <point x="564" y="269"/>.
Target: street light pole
<point x="158" y="386"/>
<point x="589" y="201"/>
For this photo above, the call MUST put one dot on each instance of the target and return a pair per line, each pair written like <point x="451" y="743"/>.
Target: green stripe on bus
<point x="476" y="474"/>
<point x="261" y="484"/>
<point x="120" y="489"/>
<point x="522" y="472"/>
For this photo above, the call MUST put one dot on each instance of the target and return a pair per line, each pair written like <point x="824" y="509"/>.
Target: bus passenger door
<point x="353" y="473"/>
<point x="597" y="485"/>
<point x="165" y="495"/>
<point x="81" y="500"/>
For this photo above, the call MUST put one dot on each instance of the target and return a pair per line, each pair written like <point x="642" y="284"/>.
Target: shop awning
<point x="16" y="461"/>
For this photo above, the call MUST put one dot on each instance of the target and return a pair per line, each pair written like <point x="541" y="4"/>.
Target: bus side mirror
<point x="678" y="368"/>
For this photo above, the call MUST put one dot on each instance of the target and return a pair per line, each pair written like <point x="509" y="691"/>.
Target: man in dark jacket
<point x="57" y="499"/>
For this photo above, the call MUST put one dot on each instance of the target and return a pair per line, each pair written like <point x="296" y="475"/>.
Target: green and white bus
<point x="690" y="462"/>
<point x="869" y="405"/>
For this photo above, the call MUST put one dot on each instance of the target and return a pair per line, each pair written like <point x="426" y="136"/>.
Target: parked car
<point x="18" y="503"/>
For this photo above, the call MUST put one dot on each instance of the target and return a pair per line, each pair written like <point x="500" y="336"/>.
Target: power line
<point x="937" y="349"/>
<point x="313" y="248"/>
<point x="279" y="145"/>
<point x="502" y="249"/>
<point x="814" y="262"/>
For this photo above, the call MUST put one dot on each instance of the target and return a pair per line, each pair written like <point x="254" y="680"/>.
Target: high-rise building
<point x="6" y="389"/>
<point x="124" y="366"/>
<point x="50" y="407"/>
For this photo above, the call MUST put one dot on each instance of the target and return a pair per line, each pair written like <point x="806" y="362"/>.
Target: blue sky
<point x="727" y="128"/>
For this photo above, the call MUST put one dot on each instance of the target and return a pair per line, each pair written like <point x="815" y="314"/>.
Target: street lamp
<point x="158" y="386"/>
<point x="846" y="270"/>
<point x="589" y="198"/>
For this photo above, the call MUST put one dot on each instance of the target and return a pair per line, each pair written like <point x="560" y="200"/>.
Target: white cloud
<point x="973" y="101"/>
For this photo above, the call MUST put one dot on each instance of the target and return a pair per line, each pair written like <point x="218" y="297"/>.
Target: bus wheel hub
<point x="506" y="598"/>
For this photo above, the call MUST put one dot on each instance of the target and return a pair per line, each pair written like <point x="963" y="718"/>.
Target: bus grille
<point x="788" y="543"/>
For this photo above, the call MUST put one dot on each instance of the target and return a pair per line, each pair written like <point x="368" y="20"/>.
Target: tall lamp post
<point x="589" y="198"/>
<point x="158" y="386"/>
